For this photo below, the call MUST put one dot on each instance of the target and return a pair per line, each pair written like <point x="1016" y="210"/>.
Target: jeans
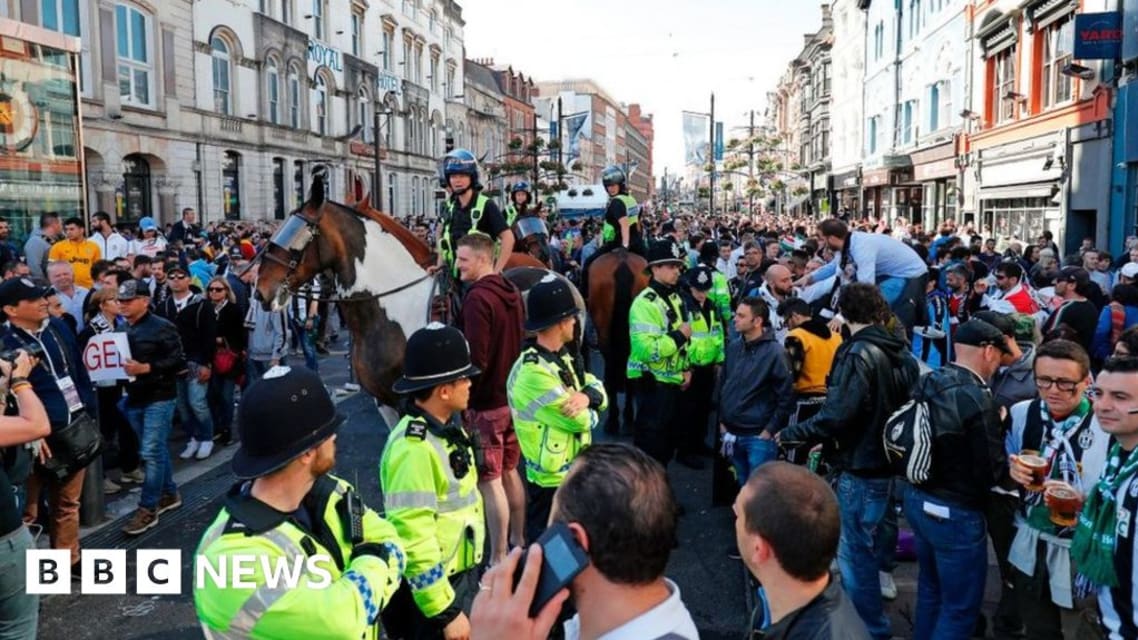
<point x="193" y="406"/>
<point x="750" y="453"/>
<point x="221" y="390"/>
<point x="307" y="345"/>
<point x="152" y="424"/>
<point x="19" y="612"/>
<point x="862" y="503"/>
<point x="953" y="556"/>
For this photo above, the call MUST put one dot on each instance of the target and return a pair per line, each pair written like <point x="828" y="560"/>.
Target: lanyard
<point x="58" y="347"/>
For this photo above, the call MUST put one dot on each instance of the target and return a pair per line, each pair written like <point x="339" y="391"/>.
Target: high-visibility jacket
<point x="348" y="608"/>
<point x="511" y="214"/>
<point x="81" y="255"/>
<point x="658" y="347"/>
<point x="720" y="296"/>
<point x="446" y="244"/>
<point x="437" y="511"/>
<point x="540" y="383"/>
<point x="706" y="345"/>
<point x="632" y="211"/>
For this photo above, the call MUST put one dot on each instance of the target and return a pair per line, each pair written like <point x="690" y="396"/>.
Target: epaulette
<point x="650" y="296"/>
<point x="531" y="357"/>
<point x="416" y="428"/>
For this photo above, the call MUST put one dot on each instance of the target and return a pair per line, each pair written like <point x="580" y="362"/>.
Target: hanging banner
<point x="575" y="129"/>
<point x="719" y="142"/>
<point x="696" y="147"/>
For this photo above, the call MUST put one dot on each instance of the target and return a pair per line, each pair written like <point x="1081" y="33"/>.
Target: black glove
<point x="371" y="549"/>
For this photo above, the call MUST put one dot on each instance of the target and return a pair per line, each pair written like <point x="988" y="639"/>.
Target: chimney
<point x="827" y="19"/>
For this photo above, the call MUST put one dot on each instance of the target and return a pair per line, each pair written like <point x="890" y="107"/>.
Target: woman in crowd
<point x="229" y="363"/>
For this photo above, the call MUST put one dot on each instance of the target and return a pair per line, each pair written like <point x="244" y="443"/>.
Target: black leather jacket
<point x="155" y="341"/>
<point x="872" y="376"/>
<point x="829" y="616"/>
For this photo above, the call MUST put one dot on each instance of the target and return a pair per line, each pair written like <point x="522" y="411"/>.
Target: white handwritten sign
<point x="105" y="356"/>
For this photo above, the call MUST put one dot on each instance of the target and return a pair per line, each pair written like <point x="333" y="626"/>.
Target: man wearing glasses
<point x="1058" y="426"/>
<point x="1011" y="296"/>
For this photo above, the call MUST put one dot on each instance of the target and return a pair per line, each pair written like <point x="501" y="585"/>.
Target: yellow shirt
<point x="818" y="357"/>
<point x="80" y="254"/>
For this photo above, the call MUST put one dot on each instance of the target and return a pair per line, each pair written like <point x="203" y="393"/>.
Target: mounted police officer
<point x="429" y="478"/>
<point x="660" y="333"/>
<point x="468" y="210"/>
<point x="555" y="402"/>
<point x="287" y="507"/>
<point x="531" y="235"/>
<point x="521" y="197"/>
<point x="705" y="355"/>
<point x="622" y="220"/>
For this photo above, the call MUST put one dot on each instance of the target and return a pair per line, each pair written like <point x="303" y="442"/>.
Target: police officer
<point x="520" y="198"/>
<point x="555" y="402"/>
<point x="660" y="333"/>
<point x="289" y="509"/>
<point x="430" y="486"/>
<point x="468" y="210"/>
<point x="720" y="292"/>
<point x="622" y="220"/>
<point x="705" y="354"/>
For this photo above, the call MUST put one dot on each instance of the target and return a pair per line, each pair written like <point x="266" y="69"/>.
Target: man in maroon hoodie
<point x="492" y="318"/>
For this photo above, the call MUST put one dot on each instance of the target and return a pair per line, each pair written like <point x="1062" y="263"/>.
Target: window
<point x="69" y="17"/>
<point x="434" y="74"/>
<point x="826" y="78"/>
<point x="320" y="93"/>
<point x="878" y="41"/>
<point x="363" y="113"/>
<point x="914" y="18"/>
<point x="390" y="192"/>
<point x="434" y="23"/>
<point x="135" y="65"/>
<point x="449" y="89"/>
<point x="357" y="26"/>
<point x="293" y="98"/>
<point x="273" y="90"/>
<point x="136" y="188"/>
<point x="231" y="185"/>
<point x="297" y="184"/>
<point x="318" y="19"/>
<point x="907" y="122"/>
<point x="388" y="38"/>
<point x="934" y="107"/>
<point x="1057" y="42"/>
<point x="407" y="48"/>
<point x="418" y="60"/>
<point x="1003" y="84"/>
<point x="871" y="136"/>
<point x="219" y="53"/>
<point x="278" y="188"/>
<point x="286" y="11"/>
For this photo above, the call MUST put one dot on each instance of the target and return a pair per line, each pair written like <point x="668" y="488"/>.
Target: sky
<point x="668" y="55"/>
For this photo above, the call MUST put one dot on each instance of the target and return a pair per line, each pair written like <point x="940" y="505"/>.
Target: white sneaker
<point x="888" y="587"/>
<point x="190" y="450"/>
<point x="205" y="449"/>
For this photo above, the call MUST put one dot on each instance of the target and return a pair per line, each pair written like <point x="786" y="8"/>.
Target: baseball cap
<point x="172" y="267"/>
<point x="1130" y="270"/>
<point x="147" y="224"/>
<point x="1077" y="275"/>
<point x="1001" y="321"/>
<point x="134" y="288"/>
<point x="977" y="333"/>
<point x="15" y="290"/>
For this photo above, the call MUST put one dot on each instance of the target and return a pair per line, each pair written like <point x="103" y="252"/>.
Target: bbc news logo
<point x="159" y="571"/>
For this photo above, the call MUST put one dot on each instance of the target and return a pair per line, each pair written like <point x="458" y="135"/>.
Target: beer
<point x="1064" y="503"/>
<point x="1037" y="465"/>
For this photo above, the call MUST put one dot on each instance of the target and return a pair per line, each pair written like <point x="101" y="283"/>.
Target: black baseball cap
<point x="977" y="333"/>
<point x="1001" y="321"/>
<point x="134" y="288"/>
<point x="1076" y="275"/>
<point x="15" y="290"/>
<point x="172" y="267"/>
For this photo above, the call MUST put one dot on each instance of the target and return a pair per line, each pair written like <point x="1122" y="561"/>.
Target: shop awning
<point x="1034" y="190"/>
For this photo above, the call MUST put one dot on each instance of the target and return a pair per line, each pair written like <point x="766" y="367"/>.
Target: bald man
<point x="778" y="285"/>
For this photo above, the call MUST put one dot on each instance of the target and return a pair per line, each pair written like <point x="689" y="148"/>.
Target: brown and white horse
<point x="380" y="270"/>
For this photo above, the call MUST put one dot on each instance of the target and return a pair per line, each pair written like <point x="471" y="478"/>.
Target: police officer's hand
<point x="687" y="381"/>
<point x="458" y="629"/>
<point x="576" y="403"/>
<point x="685" y="329"/>
<point x="501" y="612"/>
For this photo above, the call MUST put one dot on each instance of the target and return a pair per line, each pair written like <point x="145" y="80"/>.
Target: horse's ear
<point x="316" y="193"/>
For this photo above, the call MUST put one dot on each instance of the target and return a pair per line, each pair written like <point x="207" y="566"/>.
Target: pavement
<point x="712" y="585"/>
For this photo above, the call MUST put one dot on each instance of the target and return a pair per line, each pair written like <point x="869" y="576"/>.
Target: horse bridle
<point x="296" y="243"/>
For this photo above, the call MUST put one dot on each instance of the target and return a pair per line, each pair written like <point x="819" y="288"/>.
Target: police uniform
<point x="620" y="206"/>
<point x="282" y="417"/>
<point x="658" y="357"/>
<point x="540" y="383"/>
<point x="705" y="353"/>
<point x="429" y="479"/>
<point x="481" y="215"/>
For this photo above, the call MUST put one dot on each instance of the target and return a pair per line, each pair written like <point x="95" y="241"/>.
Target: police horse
<point x="382" y="283"/>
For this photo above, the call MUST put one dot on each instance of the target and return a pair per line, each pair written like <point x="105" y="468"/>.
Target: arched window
<point x="414" y="196"/>
<point x="219" y="53"/>
<point x="279" y="188"/>
<point x="134" y="43"/>
<point x="136" y="188"/>
<point x="320" y="94"/>
<point x="293" y="98"/>
<point x="363" y="114"/>
<point x="273" y="90"/>
<point x="231" y="185"/>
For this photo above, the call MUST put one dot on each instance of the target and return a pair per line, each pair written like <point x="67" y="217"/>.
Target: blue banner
<point x="1098" y="36"/>
<point x="719" y="142"/>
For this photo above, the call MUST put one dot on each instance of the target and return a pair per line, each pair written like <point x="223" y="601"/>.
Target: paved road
<point x="712" y="585"/>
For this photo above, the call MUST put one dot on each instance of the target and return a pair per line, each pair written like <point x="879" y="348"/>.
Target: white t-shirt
<point x="668" y="619"/>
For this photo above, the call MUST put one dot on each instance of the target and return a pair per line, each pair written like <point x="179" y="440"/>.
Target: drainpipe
<point x="199" y="171"/>
<point x="966" y="123"/>
<point x="860" y="213"/>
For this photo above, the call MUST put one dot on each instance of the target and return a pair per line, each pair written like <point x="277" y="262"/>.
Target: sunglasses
<point x="214" y="289"/>
<point x="178" y="277"/>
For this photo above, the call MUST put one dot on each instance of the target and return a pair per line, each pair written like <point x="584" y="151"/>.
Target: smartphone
<point x="562" y="559"/>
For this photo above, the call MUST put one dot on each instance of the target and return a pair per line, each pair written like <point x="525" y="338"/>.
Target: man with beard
<point x="778" y="287"/>
<point x="285" y="505"/>
<point x="111" y="244"/>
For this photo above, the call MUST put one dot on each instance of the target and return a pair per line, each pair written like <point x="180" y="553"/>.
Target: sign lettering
<point x="324" y="55"/>
<point x="1098" y="36"/>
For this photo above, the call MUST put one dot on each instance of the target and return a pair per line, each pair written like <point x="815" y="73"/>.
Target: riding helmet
<point x="613" y="175"/>
<point x="521" y="185"/>
<point x="461" y="162"/>
<point x="549" y="302"/>
<point x="435" y="355"/>
<point x="281" y="416"/>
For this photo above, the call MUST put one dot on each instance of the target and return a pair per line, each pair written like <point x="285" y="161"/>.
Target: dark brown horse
<point x="615" y="278"/>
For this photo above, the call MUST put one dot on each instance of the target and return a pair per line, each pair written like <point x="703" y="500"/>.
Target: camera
<point x="9" y="355"/>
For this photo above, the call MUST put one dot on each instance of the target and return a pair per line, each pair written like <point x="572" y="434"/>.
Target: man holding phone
<point x="429" y="479"/>
<point x="620" y="511"/>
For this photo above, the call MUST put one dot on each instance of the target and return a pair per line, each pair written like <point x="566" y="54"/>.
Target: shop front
<point x="888" y="193"/>
<point x="1020" y="192"/>
<point x="936" y="176"/>
<point x="847" y="191"/>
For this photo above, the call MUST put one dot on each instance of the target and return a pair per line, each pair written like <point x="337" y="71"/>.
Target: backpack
<point x="908" y="439"/>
